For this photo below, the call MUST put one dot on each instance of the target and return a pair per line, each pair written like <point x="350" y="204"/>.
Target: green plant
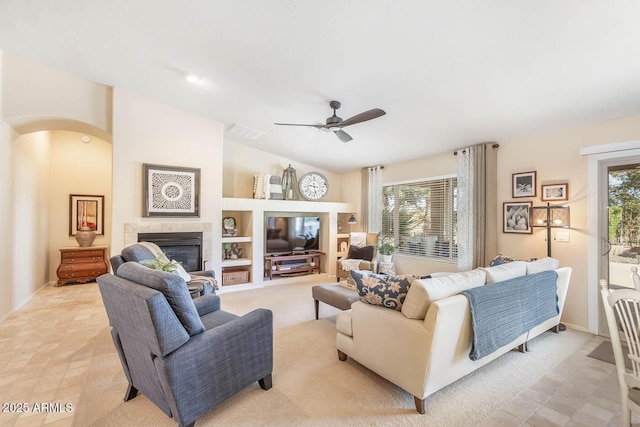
<point x="386" y="247"/>
<point x="159" y="264"/>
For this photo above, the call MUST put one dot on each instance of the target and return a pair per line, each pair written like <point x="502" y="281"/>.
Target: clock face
<point x="313" y="186"/>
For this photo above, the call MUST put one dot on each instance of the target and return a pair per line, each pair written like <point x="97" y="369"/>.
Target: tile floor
<point x="46" y="348"/>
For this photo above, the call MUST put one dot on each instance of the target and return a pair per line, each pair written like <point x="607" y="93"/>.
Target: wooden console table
<point x="82" y="265"/>
<point x="271" y="261"/>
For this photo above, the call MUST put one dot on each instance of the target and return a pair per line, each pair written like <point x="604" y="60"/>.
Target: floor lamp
<point x="550" y="216"/>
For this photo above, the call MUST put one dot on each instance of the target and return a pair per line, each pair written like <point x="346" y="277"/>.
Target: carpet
<point x="604" y="352"/>
<point x="311" y="387"/>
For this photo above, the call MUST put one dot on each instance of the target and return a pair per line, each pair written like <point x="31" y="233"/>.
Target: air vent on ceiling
<point x="245" y="132"/>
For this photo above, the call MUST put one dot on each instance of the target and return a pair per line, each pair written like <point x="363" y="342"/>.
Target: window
<point x="421" y="218"/>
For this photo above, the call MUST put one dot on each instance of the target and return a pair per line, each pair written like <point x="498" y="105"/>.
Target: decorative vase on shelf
<point x="85" y="237"/>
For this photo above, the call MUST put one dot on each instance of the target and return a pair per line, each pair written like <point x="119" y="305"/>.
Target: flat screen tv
<point x="287" y="234"/>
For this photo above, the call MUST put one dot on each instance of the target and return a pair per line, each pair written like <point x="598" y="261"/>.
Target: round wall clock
<point x="313" y="186"/>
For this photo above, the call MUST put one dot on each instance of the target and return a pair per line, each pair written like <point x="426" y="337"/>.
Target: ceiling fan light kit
<point x="335" y="124"/>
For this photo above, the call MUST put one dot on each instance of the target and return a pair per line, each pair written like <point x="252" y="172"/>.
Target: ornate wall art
<point x="170" y="191"/>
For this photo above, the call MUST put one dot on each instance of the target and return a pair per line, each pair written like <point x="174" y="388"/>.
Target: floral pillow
<point x="382" y="289"/>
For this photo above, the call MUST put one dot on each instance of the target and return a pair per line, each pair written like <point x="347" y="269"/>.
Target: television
<point x="287" y="234"/>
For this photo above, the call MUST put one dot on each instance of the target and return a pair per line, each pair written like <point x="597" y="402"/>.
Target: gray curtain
<point x="477" y="205"/>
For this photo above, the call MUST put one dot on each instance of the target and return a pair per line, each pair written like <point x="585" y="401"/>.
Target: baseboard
<point x="575" y="327"/>
<point x="14" y="309"/>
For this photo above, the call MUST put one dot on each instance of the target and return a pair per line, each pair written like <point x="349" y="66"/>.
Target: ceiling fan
<point x="335" y="123"/>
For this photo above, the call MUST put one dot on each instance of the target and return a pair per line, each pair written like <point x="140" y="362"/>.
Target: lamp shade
<point x="553" y="216"/>
<point x="352" y="219"/>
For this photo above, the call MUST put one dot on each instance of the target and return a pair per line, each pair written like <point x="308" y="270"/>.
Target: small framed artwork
<point x="170" y="191"/>
<point x="524" y="184"/>
<point x="515" y="217"/>
<point x="86" y="212"/>
<point x="555" y="192"/>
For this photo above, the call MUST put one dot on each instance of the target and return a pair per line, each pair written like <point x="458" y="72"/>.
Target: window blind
<point x="420" y="218"/>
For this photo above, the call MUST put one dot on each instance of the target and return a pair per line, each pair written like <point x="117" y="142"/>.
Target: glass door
<point x="621" y="245"/>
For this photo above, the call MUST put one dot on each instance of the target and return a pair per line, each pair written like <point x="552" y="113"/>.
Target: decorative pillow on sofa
<point x="382" y="289"/>
<point x="425" y="291"/>
<point x="502" y="272"/>
<point x="365" y="252"/>
<point x="500" y="259"/>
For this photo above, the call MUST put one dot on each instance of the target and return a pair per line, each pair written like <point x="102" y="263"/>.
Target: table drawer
<point x="81" y="259"/>
<point x="82" y="254"/>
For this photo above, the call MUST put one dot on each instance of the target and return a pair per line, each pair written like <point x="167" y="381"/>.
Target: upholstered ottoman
<point x="335" y="295"/>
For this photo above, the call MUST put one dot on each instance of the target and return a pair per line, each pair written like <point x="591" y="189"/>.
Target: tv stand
<point x="308" y="263"/>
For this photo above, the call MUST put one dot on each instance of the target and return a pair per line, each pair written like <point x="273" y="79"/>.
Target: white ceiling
<point x="448" y="73"/>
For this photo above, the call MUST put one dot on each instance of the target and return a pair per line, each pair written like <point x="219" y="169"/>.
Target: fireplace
<point x="184" y="247"/>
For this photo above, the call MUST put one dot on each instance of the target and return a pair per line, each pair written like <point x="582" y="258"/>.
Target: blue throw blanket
<point x="503" y="311"/>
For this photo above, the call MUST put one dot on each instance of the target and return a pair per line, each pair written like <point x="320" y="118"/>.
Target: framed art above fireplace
<point x="170" y="191"/>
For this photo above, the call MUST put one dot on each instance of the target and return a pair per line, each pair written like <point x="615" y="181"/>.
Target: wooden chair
<point x="622" y="310"/>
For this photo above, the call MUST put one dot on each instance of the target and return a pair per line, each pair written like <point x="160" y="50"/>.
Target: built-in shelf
<point x="236" y="239"/>
<point x="250" y="215"/>
<point x="236" y="262"/>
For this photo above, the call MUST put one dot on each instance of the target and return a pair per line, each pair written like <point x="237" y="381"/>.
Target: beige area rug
<point x="311" y="387"/>
<point x="604" y="352"/>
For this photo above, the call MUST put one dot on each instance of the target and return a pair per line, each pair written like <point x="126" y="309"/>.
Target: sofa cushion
<point x="174" y="289"/>
<point x="425" y="291"/>
<point x="365" y="252"/>
<point x="382" y="289"/>
<point x="502" y="272"/>
<point x="542" y="264"/>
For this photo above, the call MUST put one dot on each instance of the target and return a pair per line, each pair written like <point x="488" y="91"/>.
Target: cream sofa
<point x="424" y="355"/>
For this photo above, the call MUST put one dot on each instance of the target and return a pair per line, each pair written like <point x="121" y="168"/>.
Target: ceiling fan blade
<point x="363" y="117"/>
<point x="344" y="137"/>
<point x="296" y="124"/>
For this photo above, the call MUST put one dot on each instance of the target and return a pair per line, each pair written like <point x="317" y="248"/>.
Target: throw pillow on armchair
<point x="365" y="253"/>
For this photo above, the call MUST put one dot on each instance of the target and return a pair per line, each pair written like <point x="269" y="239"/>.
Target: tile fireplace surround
<point x="131" y="231"/>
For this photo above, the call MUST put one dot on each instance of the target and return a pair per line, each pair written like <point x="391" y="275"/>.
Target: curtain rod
<point x="455" y="153"/>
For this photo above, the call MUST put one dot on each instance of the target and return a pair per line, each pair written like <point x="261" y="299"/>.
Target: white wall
<point x="241" y="163"/>
<point x="7" y="138"/>
<point x="146" y="131"/>
<point x="30" y="204"/>
<point x="33" y="94"/>
<point x="76" y="168"/>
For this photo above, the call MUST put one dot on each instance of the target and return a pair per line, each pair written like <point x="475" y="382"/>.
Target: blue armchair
<point x="186" y="355"/>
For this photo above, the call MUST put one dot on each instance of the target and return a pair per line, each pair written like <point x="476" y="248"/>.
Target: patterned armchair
<point x="356" y="252"/>
<point x="185" y="355"/>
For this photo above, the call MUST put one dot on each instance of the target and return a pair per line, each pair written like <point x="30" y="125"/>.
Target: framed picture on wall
<point x="170" y="191"/>
<point x="515" y="217"/>
<point x="554" y="192"/>
<point x="524" y="184"/>
<point x="86" y="212"/>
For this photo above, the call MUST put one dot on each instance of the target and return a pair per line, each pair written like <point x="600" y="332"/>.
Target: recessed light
<point x="85" y="139"/>
<point x="192" y="78"/>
